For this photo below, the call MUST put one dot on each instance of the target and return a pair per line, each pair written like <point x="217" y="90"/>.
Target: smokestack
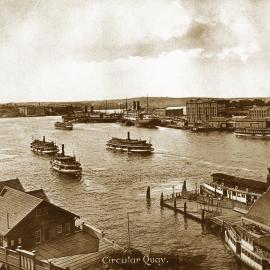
<point x="128" y="135"/>
<point x="138" y="105"/>
<point x="63" y="149"/>
<point x="92" y="109"/>
<point x="43" y="138"/>
<point x="126" y="104"/>
<point x="134" y="105"/>
<point x="85" y="109"/>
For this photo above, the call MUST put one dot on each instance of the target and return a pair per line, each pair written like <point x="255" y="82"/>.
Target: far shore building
<point x="199" y="111"/>
<point x="36" y="234"/>
<point x="250" y="122"/>
<point x="172" y="112"/>
<point x="259" y="112"/>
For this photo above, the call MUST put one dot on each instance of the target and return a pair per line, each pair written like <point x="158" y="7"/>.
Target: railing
<point x="23" y="260"/>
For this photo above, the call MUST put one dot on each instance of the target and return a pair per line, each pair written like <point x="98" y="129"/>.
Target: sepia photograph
<point x="134" y="135"/>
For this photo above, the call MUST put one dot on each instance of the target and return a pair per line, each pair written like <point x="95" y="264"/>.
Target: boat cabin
<point x="235" y="188"/>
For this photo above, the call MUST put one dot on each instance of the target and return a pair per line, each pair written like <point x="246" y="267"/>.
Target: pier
<point x="204" y="209"/>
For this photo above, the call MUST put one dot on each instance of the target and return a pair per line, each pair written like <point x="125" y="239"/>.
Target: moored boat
<point x="253" y="133"/>
<point x="65" y="125"/>
<point x="130" y="145"/>
<point x="65" y="164"/>
<point x="44" y="147"/>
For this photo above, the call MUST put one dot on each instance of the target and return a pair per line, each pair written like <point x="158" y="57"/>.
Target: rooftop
<point x="15" y="206"/>
<point x="13" y="183"/>
<point x="259" y="211"/>
<point x="80" y="249"/>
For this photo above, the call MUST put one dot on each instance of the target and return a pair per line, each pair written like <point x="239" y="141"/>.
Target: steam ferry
<point x="242" y="190"/>
<point x="250" y="239"/>
<point x="44" y="147"/>
<point x="130" y="145"/>
<point x="65" y="164"/>
<point x="253" y="133"/>
<point x="65" y="125"/>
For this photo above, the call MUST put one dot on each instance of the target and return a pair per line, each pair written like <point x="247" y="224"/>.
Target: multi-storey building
<point x="259" y="112"/>
<point x="201" y="110"/>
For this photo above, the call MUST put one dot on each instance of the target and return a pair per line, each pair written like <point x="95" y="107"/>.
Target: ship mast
<point x="147" y="104"/>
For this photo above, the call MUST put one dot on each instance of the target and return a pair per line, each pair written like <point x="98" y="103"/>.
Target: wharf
<point x="203" y="209"/>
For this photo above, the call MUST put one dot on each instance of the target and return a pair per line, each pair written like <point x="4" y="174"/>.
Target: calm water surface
<point x="114" y="184"/>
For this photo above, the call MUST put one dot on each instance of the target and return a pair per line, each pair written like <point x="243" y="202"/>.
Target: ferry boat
<point x="130" y="145"/>
<point x="253" y="133"/>
<point x="66" y="164"/>
<point x="250" y="239"/>
<point x="234" y="188"/>
<point x="65" y="125"/>
<point x="43" y="147"/>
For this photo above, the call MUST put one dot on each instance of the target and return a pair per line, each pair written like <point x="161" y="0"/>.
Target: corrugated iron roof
<point x="259" y="211"/>
<point x="39" y="193"/>
<point x="13" y="183"/>
<point x="15" y="206"/>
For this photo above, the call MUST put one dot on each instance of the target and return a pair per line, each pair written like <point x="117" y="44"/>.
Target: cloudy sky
<point x="54" y="50"/>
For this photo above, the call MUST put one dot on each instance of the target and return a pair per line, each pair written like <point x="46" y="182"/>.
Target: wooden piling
<point x="174" y="202"/>
<point x="148" y="196"/>
<point x="185" y="208"/>
<point x="161" y="199"/>
<point x="203" y="216"/>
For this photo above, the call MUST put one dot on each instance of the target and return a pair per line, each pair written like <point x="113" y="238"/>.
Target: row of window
<point x="251" y="256"/>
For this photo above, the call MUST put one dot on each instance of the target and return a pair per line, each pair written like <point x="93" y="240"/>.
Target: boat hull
<point x="130" y="150"/>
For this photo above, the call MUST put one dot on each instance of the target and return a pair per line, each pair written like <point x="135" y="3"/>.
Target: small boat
<point x="44" y="147"/>
<point x="253" y="133"/>
<point x="130" y="145"/>
<point x="66" y="164"/>
<point x="66" y="125"/>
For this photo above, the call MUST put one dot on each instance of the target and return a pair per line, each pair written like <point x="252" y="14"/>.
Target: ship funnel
<point x="63" y="149"/>
<point x="128" y="135"/>
<point x="43" y="138"/>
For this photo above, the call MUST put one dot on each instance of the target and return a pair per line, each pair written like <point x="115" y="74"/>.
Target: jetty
<point x="204" y="208"/>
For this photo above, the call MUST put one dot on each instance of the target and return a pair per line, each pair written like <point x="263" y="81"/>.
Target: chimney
<point x="138" y="105"/>
<point x="128" y="135"/>
<point x="63" y="149"/>
<point x="43" y="138"/>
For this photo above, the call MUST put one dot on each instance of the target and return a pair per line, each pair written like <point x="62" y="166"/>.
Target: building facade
<point x="200" y="111"/>
<point x="259" y="112"/>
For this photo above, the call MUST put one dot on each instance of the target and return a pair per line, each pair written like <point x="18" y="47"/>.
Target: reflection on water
<point x="113" y="184"/>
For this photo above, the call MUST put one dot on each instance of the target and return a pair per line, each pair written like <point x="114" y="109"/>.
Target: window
<point x="19" y="240"/>
<point x="37" y="235"/>
<point x="59" y="229"/>
<point x="12" y="243"/>
<point x="67" y="228"/>
<point x="39" y="211"/>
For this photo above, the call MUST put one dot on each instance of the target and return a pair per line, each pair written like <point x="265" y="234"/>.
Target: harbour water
<point x="114" y="184"/>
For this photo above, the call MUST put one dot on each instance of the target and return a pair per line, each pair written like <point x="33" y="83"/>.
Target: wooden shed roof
<point x="13" y="183"/>
<point x="259" y="211"/>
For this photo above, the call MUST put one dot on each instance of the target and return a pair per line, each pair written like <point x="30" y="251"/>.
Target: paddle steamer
<point x="130" y="145"/>
<point x="65" y="164"/>
<point x="44" y="147"/>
